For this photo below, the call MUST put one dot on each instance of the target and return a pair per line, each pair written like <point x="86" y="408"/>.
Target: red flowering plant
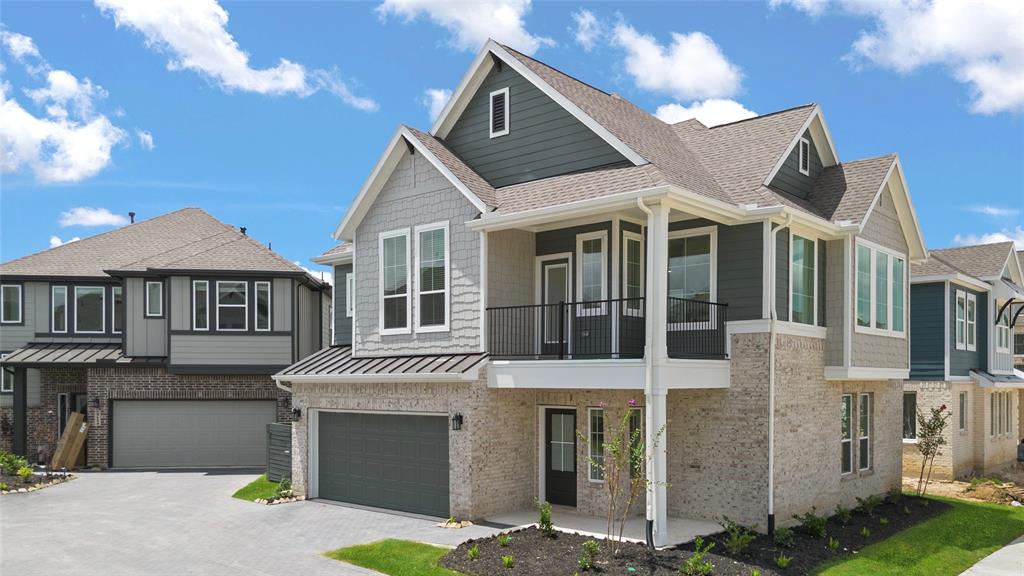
<point x="931" y="438"/>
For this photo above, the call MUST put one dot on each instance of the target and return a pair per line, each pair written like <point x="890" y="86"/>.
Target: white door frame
<point x="539" y="276"/>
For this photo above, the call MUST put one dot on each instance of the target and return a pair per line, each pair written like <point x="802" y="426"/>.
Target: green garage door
<point x="384" y="460"/>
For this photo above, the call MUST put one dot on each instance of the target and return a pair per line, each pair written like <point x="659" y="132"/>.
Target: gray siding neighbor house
<point x="550" y="258"/>
<point x="965" y="307"/>
<point x="163" y="333"/>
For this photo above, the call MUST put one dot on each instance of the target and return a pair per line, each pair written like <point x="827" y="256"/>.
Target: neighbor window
<point x="10" y="311"/>
<point x="864" y="431"/>
<point x="232" y="306"/>
<point x="1006" y="412"/>
<point x="117" y="295"/>
<point x="962" y="410"/>
<point x="593" y="283"/>
<point x="200" y="305"/>
<point x="394" y="273"/>
<point x="89" y="305"/>
<point x="961" y="320"/>
<point x="993" y="408"/>
<point x="881" y="285"/>
<point x="804" y="281"/>
<point x="154" y="298"/>
<point x="432" y="277"/>
<point x="499" y="113"/>
<point x="846" y="427"/>
<point x="633" y="270"/>
<point x="263" y="306"/>
<point x="350" y="297"/>
<point x="1003" y="332"/>
<point x="805" y="156"/>
<point x="636" y="441"/>
<point x="909" y="415"/>
<point x="972" y="322"/>
<point x="596" y="441"/>
<point x="8" y="382"/>
<point x="59" y="309"/>
<point x="690" y="275"/>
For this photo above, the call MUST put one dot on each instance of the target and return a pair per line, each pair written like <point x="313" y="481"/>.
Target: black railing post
<point x="561" y="330"/>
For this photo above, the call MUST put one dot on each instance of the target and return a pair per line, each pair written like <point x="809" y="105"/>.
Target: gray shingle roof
<point x="343" y="248"/>
<point x="187" y="239"/>
<point x="932" y="267"/>
<point x="845" y="191"/>
<point x="980" y="261"/>
<point x="476" y="184"/>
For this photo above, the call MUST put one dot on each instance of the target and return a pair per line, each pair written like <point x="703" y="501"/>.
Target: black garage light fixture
<point x="296" y="414"/>
<point x="457" y="421"/>
<point x="95" y="402"/>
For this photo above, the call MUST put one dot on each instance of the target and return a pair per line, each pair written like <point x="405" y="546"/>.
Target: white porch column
<point x="655" y="391"/>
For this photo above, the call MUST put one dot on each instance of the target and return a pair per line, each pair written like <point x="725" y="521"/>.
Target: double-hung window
<point x="394" y="275"/>
<point x="864" y="431"/>
<point x="10" y="307"/>
<point x="633" y="271"/>
<point x="803" y="280"/>
<point x="972" y="322"/>
<point x="910" y="415"/>
<point x="7" y="386"/>
<point x="966" y="327"/>
<point x="1003" y="332"/>
<point x="881" y="290"/>
<point x="962" y="410"/>
<point x="262" y="306"/>
<point x="200" y="304"/>
<point x="432" y="282"/>
<point x="592" y="271"/>
<point x="691" y="277"/>
<point x="232" y="305"/>
<point x="117" y="312"/>
<point x="154" y="298"/>
<point x="846" y="437"/>
<point x="596" y="441"/>
<point x="59" y="309"/>
<point x="89" y="309"/>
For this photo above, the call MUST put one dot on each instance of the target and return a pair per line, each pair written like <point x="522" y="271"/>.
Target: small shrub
<point x="25" y="473"/>
<point x="782" y="561"/>
<point x="906" y="510"/>
<point x="868" y="505"/>
<point x="696" y="565"/>
<point x="865" y="532"/>
<point x="739" y="538"/>
<point x="755" y="572"/>
<point x="10" y="463"/>
<point x="783" y="538"/>
<point x="883" y="521"/>
<point x="833" y="544"/>
<point x="844" y="515"/>
<point x="284" y="488"/>
<point x="503" y="540"/>
<point x="3" y="486"/>
<point x="508" y="561"/>
<point x="544" y="523"/>
<point x="474" y="552"/>
<point x="894" y="495"/>
<point x="811" y="523"/>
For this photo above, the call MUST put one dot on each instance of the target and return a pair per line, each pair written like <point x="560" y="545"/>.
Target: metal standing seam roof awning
<point x="74" y="355"/>
<point x="1007" y="381"/>
<point x="337" y="364"/>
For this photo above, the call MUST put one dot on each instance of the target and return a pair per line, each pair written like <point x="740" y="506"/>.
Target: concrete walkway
<point x="174" y="523"/>
<point x="1007" y="561"/>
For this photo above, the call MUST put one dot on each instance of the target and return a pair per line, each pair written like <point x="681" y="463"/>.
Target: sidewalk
<point x="1007" y="561"/>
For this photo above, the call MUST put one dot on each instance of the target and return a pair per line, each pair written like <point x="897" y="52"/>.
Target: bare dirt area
<point x="1006" y="487"/>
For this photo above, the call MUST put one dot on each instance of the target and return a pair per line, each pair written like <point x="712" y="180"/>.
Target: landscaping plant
<point x="10" y="463"/>
<point x="833" y="544"/>
<point x="25" y="473"/>
<point x="696" y="565"/>
<point x="865" y="532"/>
<point x="868" y="505"/>
<point x="811" y="523"/>
<point x="782" y="561"/>
<point x="930" y="439"/>
<point x="783" y="537"/>
<point x="544" y="523"/>
<point x="894" y="495"/>
<point x="883" y="521"/>
<point x="844" y="514"/>
<point x="739" y="538"/>
<point x="474" y="552"/>
<point x="284" y="488"/>
<point x="590" y="550"/>
<point x="508" y="561"/>
<point x="503" y="540"/>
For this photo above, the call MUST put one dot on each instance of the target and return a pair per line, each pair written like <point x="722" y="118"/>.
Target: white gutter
<point x="772" y="271"/>
<point x="281" y="386"/>
<point x="371" y="377"/>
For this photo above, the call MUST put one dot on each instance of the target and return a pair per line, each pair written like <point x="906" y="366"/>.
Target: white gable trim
<point x="916" y="249"/>
<point x="382" y="171"/>
<point x="819" y="135"/>
<point x="482" y="64"/>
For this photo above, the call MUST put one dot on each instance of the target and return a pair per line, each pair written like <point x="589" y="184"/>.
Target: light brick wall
<point x="993" y="453"/>
<point x="932" y="395"/>
<point x="417" y="194"/>
<point x="962" y="441"/>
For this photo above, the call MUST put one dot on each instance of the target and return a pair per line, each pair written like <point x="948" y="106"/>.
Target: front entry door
<point x="560" y="467"/>
<point x="556" y="281"/>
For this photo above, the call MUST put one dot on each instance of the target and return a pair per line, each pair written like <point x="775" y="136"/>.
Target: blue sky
<point x="271" y="115"/>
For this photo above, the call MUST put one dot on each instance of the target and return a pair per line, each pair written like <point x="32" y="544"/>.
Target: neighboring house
<point x="549" y="251"/>
<point x="164" y="333"/>
<point x="964" y="303"/>
<point x="1018" y="334"/>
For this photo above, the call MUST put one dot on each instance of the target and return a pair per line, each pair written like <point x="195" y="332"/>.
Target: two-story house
<point x="548" y="252"/>
<point x="964" y="304"/>
<point x="164" y="334"/>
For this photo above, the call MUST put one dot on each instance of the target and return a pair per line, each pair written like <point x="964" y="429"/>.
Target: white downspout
<point x="648" y="377"/>
<point x="772" y="271"/>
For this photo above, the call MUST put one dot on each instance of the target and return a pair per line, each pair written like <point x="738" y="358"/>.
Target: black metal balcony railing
<point x="603" y="329"/>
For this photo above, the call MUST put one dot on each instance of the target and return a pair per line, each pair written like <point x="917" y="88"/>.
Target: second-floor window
<point x="117" y="312"/>
<point x="633" y="270"/>
<point x="154" y="298"/>
<point x="89" y="306"/>
<point x="803" y="280"/>
<point x="691" y="275"/>
<point x="1003" y="332"/>
<point x="966" y="321"/>
<point x="394" y="276"/>
<point x="881" y="290"/>
<point x="432" y="277"/>
<point x="232" y="306"/>
<point x="593" y="272"/>
<point x="200" y="305"/>
<point x="350" y="296"/>
<point x="10" y="307"/>
<point x="59" y="309"/>
<point x="263" y="306"/>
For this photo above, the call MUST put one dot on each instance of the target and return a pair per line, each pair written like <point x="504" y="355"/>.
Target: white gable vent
<point x="499" y="112"/>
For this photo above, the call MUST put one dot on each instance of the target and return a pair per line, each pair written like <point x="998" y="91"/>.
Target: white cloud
<point x="194" y="34"/>
<point x="691" y="68"/>
<point x="472" y="23"/>
<point x="711" y="112"/>
<point x="1005" y="235"/>
<point x="64" y="90"/>
<point x="85" y="216"/>
<point x="145" y="139"/>
<point x="994" y="211"/>
<point x="323" y="275"/>
<point x="588" y="29"/>
<point x="19" y="45"/>
<point x="55" y="241"/>
<point x="981" y="43"/>
<point x="435" y="100"/>
<point x="811" y="7"/>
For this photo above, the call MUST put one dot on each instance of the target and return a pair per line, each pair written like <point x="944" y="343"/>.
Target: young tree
<point x="930" y="439"/>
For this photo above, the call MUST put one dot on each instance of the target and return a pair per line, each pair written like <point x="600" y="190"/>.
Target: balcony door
<point x="555" y="288"/>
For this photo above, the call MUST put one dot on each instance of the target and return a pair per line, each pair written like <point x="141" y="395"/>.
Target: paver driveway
<point x="157" y="523"/>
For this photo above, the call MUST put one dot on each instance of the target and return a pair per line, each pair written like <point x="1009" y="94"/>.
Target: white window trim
<point x="805" y="144"/>
<point x="853" y="463"/>
<point x="447" y="279"/>
<point x="888" y="331"/>
<point x="580" y="309"/>
<point x="146" y="299"/>
<point x="270" y="306"/>
<point x="53" y="306"/>
<point x="628" y="237"/>
<point x="814" y="241"/>
<point x="864" y="398"/>
<point x="195" y="326"/>
<point x="113" y="309"/>
<point x="490" y="115"/>
<point x="962" y="408"/>
<point x="407" y="329"/>
<point x="590" y="436"/>
<point x="245" y="306"/>
<point x="689" y="232"/>
<point x="3" y="378"/>
<point x="350" y="285"/>
<point x="960" y="344"/>
<point x="103" y="312"/>
<point x="1002" y="331"/>
<point x="971" y="333"/>
<point x="21" y="311"/>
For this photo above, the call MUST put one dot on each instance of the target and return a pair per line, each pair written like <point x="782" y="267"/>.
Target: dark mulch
<point x="537" y="555"/>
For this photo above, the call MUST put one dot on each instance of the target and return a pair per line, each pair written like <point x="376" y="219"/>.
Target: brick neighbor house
<point x="164" y="333"/>
<point x="548" y="251"/>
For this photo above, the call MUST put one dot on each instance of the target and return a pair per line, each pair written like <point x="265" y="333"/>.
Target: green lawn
<point x="395" y="557"/>
<point x="945" y="545"/>
<point x="258" y="488"/>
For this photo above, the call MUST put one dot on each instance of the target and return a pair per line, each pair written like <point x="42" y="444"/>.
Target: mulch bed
<point x="537" y="555"/>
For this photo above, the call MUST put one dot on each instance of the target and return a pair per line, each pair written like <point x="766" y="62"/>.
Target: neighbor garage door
<point x="191" y="433"/>
<point x="384" y="460"/>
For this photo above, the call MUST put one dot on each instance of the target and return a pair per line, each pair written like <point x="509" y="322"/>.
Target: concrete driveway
<point x="173" y="523"/>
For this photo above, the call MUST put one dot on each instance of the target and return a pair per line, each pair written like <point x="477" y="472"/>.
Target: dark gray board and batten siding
<point x="927" y="331"/>
<point x="789" y="178"/>
<point x="544" y="139"/>
<point x="961" y="362"/>
<point x="342" y="322"/>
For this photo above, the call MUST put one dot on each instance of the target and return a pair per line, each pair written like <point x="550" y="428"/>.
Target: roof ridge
<point x="869" y="158"/>
<point x="973" y="246"/>
<point x="948" y="263"/>
<point x="563" y="73"/>
<point x="760" y="116"/>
